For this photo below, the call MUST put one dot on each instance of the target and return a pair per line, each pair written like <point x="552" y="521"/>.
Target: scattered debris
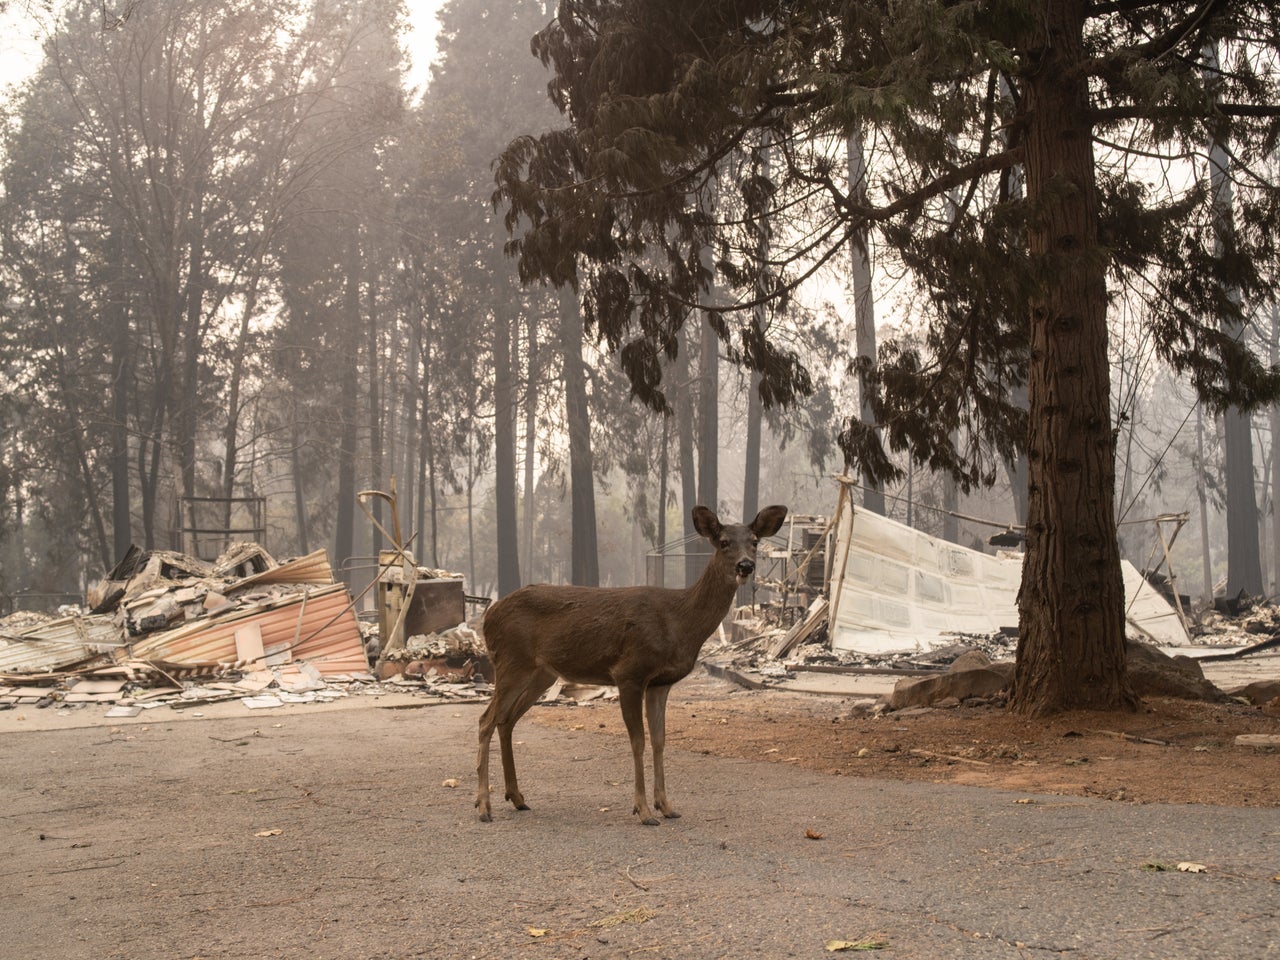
<point x="638" y="915"/>
<point x="866" y="943"/>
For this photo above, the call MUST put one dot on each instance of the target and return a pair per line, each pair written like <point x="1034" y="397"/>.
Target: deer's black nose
<point x="746" y="568"/>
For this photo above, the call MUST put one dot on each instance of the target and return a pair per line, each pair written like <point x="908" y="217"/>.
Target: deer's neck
<point x="705" y="604"/>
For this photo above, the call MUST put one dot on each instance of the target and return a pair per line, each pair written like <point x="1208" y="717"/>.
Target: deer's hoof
<point x="671" y="815"/>
<point x="523" y="806"/>
<point x="651" y="821"/>
<point x="486" y="817"/>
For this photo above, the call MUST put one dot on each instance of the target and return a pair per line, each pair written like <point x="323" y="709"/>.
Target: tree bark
<point x="709" y="418"/>
<point x="864" y="336"/>
<point x="1071" y="641"/>
<point x="121" y="371"/>
<point x="504" y="436"/>
<point x="684" y="429"/>
<point x="1274" y="417"/>
<point x="1207" y="566"/>
<point x="373" y="374"/>
<point x="348" y="405"/>
<point x="1244" y="560"/>
<point x="585" y="560"/>
<point x="531" y="433"/>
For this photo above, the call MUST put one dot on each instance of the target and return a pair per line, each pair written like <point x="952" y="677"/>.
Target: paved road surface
<point x="150" y="852"/>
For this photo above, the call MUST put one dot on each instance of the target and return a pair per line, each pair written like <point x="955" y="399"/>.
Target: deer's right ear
<point x="769" y="521"/>
<point x="706" y="522"/>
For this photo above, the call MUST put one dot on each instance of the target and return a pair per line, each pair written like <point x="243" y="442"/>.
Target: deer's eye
<point x="724" y="543"/>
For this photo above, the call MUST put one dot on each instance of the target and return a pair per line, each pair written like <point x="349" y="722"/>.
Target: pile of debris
<point x="977" y="669"/>
<point x="163" y="627"/>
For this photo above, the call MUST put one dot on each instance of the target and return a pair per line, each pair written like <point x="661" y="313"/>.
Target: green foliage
<point x="665" y="98"/>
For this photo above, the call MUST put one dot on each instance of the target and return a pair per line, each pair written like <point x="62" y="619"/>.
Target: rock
<point x="969" y="660"/>
<point x="1272" y="707"/>
<point x="948" y="703"/>
<point x="1259" y="741"/>
<point x="960" y="684"/>
<point x="1258" y="692"/>
<point x="1153" y="674"/>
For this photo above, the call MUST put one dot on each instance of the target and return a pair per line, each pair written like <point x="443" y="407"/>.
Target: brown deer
<point x="639" y="639"/>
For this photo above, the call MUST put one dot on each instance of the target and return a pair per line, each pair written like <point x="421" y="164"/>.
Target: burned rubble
<point x="976" y="670"/>
<point x="163" y="628"/>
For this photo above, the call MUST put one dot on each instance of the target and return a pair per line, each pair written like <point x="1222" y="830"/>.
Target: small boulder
<point x="1258" y="692"/>
<point x="976" y="681"/>
<point x="969" y="660"/>
<point x="1155" y="674"/>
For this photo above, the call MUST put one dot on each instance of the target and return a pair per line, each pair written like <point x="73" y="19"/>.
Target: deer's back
<point x="592" y="634"/>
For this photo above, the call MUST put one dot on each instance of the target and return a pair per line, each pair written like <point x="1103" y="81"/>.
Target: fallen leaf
<point x="538" y="932"/>
<point x="451" y="783"/>
<point x="813" y="835"/>
<point x="1025" y="800"/>
<point x="268" y="833"/>
<point x="1155" y="867"/>
<point x="1187" y="866"/>
<point x="866" y="943"/>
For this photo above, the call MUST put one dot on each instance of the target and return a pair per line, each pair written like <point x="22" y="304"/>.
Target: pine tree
<point x="1071" y="98"/>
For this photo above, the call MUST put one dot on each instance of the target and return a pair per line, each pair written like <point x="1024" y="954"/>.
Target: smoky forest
<point x="557" y="273"/>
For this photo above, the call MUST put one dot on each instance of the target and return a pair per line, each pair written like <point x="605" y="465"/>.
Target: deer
<point x="640" y="639"/>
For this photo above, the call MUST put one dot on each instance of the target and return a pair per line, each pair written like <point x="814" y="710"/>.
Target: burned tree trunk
<point x="1071" y="643"/>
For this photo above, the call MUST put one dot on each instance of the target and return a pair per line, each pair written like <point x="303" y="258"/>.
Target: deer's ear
<point x="768" y="521"/>
<point x="706" y="522"/>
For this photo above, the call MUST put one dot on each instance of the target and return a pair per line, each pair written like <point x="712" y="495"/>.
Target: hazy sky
<point x="25" y="23"/>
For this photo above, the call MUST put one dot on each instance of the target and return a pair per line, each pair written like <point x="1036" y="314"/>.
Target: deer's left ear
<point x="768" y="521"/>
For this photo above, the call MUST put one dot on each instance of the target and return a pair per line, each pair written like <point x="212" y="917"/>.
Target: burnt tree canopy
<point x="1035" y="163"/>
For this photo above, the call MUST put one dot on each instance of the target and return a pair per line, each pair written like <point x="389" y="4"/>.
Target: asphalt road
<point x="330" y="834"/>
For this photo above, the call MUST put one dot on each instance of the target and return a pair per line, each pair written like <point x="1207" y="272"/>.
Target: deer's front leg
<point x="655" y="707"/>
<point x="632" y="697"/>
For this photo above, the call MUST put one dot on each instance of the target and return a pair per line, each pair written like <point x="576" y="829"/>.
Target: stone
<point x="958" y="684"/>
<point x="969" y="660"/>
<point x="1258" y="692"/>
<point x="1155" y="674"/>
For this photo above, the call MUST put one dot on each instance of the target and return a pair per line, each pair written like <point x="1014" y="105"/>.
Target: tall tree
<point x="660" y="93"/>
<point x="1244" y="564"/>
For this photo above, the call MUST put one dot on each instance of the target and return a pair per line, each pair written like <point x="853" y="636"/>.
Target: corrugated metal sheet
<point x="318" y="626"/>
<point x="313" y="568"/>
<point x="58" y="643"/>
<point x="895" y="589"/>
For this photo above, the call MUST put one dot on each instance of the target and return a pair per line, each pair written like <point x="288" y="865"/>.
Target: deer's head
<point x="735" y="543"/>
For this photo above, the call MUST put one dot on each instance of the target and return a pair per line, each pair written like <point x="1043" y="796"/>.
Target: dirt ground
<point x="1173" y="751"/>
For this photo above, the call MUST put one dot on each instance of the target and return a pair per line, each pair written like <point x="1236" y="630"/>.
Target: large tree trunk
<point x="1274" y="418"/>
<point x="301" y="520"/>
<point x="121" y="375"/>
<point x="531" y="434"/>
<point x="504" y="461"/>
<point x="1071" y="641"/>
<point x="864" y="336"/>
<point x="348" y="405"/>
<point x="709" y="419"/>
<point x="1205" y="560"/>
<point x="1244" y="563"/>
<point x="585" y="565"/>
<point x="685" y="439"/>
<point x="373" y="375"/>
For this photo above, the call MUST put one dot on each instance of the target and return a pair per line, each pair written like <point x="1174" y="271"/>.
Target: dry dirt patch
<point x="1110" y="755"/>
